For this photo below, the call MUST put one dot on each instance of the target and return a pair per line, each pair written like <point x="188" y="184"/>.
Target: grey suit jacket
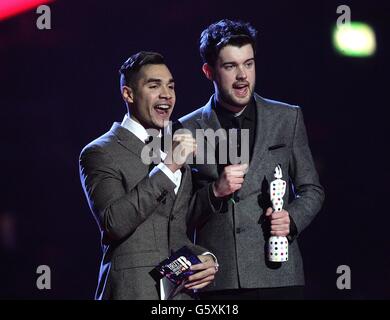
<point x="237" y="233"/>
<point x="140" y="218"/>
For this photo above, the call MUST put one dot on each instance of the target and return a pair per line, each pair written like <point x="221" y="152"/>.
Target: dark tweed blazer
<point x="140" y="218"/>
<point x="237" y="233"/>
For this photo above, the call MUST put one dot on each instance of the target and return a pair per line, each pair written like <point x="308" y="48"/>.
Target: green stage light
<point x="355" y="39"/>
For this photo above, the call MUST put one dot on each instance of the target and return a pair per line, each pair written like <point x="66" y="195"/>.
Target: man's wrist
<point x="214" y="189"/>
<point x="210" y="254"/>
<point x="213" y="257"/>
<point x="293" y="232"/>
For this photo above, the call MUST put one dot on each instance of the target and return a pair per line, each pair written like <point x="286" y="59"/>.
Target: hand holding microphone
<point x="230" y="180"/>
<point x="183" y="146"/>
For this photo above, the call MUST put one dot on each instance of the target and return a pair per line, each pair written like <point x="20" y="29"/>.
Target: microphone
<point x="237" y="125"/>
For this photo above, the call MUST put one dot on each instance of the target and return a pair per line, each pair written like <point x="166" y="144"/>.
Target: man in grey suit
<point x="232" y="214"/>
<point x="141" y="211"/>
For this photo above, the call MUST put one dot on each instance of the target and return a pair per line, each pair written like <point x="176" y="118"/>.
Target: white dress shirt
<point x="140" y="132"/>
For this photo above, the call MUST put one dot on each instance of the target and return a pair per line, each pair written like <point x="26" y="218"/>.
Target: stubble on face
<point x="234" y="76"/>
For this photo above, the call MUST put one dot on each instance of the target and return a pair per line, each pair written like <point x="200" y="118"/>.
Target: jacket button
<point x="238" y="230"/>
<point x="171" y="218"/>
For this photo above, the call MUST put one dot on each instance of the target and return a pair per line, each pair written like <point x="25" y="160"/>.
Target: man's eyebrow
<point x="235" y="63"/>
<point x="156" y="80"/>
<point x="153" y="80"/>
<point x="229" y="62"/>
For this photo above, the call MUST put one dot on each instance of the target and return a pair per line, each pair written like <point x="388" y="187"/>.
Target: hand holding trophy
<point x="277" y="246"/>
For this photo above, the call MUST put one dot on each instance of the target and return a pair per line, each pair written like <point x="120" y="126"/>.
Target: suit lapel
<point x="134" y="145"/>
<point x="263" y="130"/>
<point x="127" y="139"/>
<point x="209" y="120"/>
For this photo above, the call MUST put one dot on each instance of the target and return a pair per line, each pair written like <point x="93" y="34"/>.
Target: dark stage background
<point x="59" y="90"/>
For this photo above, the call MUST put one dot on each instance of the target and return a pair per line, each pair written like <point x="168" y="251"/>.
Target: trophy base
<point x="277" y="249"/>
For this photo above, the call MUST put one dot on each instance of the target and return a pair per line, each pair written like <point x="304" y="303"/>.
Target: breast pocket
<point x="278" y="154"/>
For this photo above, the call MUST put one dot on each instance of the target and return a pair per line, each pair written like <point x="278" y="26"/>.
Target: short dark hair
<point x="132" y="65"/>
<point x="222" y="33"/>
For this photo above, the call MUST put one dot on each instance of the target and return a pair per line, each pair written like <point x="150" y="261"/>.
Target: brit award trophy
<point x="277" y="246"/>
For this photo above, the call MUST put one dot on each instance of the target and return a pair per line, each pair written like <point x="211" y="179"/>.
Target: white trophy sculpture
<point x="277" y="246"/>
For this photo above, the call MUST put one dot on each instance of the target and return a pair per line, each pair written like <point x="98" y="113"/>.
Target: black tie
<point x="155" y="153"/>
<point x="237" y="122"/>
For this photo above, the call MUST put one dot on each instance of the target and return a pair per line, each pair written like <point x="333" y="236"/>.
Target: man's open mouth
<point x="241" y="89"/>
<point x="162" y="109"/>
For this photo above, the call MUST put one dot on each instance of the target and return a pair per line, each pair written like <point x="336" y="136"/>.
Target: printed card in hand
<point x="177" y="270"/>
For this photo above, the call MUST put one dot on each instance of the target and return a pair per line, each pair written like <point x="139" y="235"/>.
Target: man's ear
<point x="208" y="71"/>
<point x="127" y="94"/>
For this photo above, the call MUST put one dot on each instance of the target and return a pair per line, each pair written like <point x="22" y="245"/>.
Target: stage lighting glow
<point x="355" y="39"/>
<point x="9" y="8"/>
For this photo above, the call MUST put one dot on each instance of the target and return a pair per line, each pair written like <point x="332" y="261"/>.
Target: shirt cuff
<point x="209" y="253"/>
<point x="161" y="166"/>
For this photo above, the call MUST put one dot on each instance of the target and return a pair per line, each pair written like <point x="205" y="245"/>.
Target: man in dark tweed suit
<point x="141" y="210"/>
<point x="231" y="213"/>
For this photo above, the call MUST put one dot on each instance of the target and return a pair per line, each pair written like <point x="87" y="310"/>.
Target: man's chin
<point x="241" y="102"/>
<point x="161" y="123"/>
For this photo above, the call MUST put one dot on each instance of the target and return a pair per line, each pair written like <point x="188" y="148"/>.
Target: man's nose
<point x="241" y="74"/>
<point x="166" y="93"/>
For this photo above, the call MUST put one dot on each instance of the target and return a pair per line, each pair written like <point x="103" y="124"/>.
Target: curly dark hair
<point x="222" y="33"/>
